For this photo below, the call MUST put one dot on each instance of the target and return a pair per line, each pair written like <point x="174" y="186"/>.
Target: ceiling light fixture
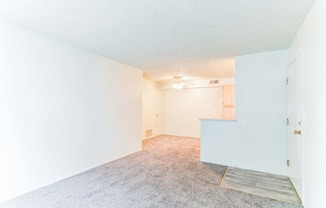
<point x="177" y="85"/>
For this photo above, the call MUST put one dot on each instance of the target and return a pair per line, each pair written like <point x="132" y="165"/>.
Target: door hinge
<point x="287" y="80"/>
<point x="288" y="162"/>
<point x="287" y="121"/>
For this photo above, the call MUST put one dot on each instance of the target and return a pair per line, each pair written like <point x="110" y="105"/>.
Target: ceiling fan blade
<point x="187" y="83"/>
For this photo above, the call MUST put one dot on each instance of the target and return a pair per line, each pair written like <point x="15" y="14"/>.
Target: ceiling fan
<point x="179" y="84"/>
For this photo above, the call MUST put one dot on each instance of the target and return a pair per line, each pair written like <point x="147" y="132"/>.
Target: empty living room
<point x="185" y="104"/>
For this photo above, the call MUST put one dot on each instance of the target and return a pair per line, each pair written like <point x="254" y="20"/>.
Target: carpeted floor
<point x="166" y="173"/>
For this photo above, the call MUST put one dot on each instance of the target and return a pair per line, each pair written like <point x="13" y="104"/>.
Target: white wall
<point x="183" y="108"/>
<point x="257" y="140"/>
<point x="311" y="42"/>
<point x="57" y="101"/>
<point x="152" y="109"/>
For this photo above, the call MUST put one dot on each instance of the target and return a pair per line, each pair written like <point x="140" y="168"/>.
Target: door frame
<point x="298" y="75"/>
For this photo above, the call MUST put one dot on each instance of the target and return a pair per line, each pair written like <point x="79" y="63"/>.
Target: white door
<point x="158" y="112"/>
<point x="294" y="124"/>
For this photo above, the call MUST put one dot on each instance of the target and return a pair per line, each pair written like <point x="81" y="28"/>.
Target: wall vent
<point x="149" y="133"/>
<point x="213" y="81"/>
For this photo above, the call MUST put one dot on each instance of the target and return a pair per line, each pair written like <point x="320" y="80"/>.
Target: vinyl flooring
<point x="262" y="184"/>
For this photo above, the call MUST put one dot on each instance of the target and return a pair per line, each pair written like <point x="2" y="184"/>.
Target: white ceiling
<point x="193" y="38"/>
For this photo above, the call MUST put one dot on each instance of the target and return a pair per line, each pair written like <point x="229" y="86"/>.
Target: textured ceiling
<point x="165" y="37"/>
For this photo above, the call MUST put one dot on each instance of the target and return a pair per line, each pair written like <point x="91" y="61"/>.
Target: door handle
<point x="297" y="132"/>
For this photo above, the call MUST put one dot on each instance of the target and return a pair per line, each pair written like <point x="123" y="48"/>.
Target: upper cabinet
<point x="228" y="102"/>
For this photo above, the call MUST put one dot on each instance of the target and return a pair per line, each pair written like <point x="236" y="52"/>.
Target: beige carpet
<point x="166" y="173"/>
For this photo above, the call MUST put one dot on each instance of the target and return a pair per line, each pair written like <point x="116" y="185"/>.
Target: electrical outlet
<point x="48" y="163"/>
<point x="67" y="157"/>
